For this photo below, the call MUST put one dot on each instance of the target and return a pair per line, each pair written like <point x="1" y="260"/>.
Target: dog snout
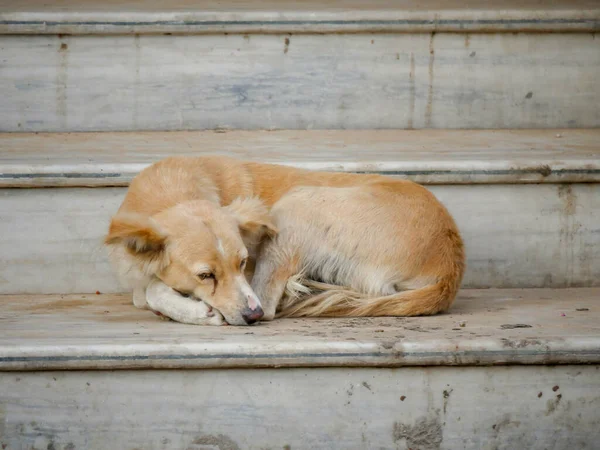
<point x="252" y="315"/>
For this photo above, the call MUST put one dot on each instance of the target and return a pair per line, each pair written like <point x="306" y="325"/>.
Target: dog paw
<point x="161" y="316"/>
<point x="180" y="308"/>
<point x="216" y="319"/>
<point x="139" y="298"/>
<point x="199" y="313"/>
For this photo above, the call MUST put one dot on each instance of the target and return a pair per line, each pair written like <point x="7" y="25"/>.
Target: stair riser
<point x="291" y="17"/>
<point x="337" y="81"/>
<point x="515" y="235"/>
<point x="424" y="156"/>
<point x="440" y="407"/>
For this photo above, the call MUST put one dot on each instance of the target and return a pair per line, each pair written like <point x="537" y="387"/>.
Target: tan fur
<point x="142" y="238"/>
<point x="195" y="237"/>
<point x="384" y="249"/>
<point x="393" y="245"/>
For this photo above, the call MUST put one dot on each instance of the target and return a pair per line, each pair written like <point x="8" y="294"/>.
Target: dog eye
<point x="243" y="263"/>
<point x="206" y="276"/>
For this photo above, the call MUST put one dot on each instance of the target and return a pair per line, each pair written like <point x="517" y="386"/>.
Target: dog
<point x="191" y="232"/>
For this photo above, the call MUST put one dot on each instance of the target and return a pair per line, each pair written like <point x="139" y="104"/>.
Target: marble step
<point x="423" y="156"/>
<point x="526" y="202"/>
<point x="340" y="64"/>
<point x="484" y="327"/>
<point x="354" y="408"/>
<point x="286" y="16"/>
<point x="503" y="369"/>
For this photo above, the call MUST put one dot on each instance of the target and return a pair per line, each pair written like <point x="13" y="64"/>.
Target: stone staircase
<point x="494" y="106"/>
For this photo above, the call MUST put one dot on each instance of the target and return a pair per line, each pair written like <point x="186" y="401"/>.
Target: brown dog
<point x="330" y="244"/>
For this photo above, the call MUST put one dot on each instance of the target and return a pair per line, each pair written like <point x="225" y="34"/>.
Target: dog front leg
<point x="168" y="302"/>
<point x="139" y="297"/>
<point x="273" y="270"/>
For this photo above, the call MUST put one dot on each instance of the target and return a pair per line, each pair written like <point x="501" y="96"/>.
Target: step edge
<point x="392" y="20"/>
<point x="488" y="352"/>
<point x="426" y="172"/>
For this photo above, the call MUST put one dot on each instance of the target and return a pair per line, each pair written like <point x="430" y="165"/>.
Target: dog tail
<point x="308" y="298"/>
<point x="327" y="300"/>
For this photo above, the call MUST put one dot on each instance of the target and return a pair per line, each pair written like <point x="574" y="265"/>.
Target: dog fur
<point x="324" y="244"/>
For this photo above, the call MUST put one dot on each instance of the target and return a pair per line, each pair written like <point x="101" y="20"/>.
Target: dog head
<point x="199" y="248"/>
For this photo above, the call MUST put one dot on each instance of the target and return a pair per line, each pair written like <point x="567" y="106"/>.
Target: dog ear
<point x="253" y="218"/>
<point x="143" y="239"/>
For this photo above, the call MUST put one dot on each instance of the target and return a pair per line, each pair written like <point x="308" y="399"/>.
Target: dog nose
<point x="252" y="315"/>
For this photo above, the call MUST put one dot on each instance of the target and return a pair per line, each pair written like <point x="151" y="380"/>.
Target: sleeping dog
<point x="191" y="232"/>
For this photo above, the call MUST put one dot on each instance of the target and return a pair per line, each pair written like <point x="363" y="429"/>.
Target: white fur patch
<point x="415" y="283"/>
<point x="248" y="293"/>
<point x="220" y="247"/>
<point x="168" y="302"/>
<point x="139" y="297"/>
<point x="295" y="287"/>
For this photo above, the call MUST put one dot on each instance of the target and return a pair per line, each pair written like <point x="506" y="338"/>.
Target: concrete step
<point x="285" y="16"/>
<point x="427" y="157"/>
<point x="504" y="369"/>
<point x="289" y="65"/>
<point x="484" y="327"/>
<point x="526" y="202"/>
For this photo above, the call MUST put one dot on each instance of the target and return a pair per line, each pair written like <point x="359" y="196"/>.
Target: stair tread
<point x="95" y="16"/>
<point x="484" y="327"/>
<point x="425" y="156"/>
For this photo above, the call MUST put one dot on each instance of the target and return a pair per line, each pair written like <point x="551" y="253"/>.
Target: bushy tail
<point x="308" y="298"/>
